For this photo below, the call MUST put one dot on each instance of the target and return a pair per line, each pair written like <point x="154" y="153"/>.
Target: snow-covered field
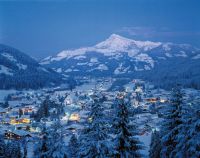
<point x="145" y="137"/>
<point x="4" y="93"/>
<point x="92" y="85"/>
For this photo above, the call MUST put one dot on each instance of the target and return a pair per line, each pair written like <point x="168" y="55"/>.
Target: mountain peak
<point x="116" y="36"/>
<point x="114" y="43"/>
<point x="120" y="43"/>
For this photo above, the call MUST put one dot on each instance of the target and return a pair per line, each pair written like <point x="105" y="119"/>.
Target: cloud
<point x="151" y="32"/>
<point x="138" y="31"/>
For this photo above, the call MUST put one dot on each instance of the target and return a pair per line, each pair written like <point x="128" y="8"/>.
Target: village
<point x="18" y="108"/>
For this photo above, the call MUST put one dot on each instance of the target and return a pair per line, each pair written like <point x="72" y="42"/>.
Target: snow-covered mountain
<point x="112" y="47"/>
<point x="120" y="56"/>
<point x="18" y="70"/>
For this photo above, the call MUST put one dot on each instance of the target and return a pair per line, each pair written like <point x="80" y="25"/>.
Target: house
<point x="163" y="100"/>
<point x="2" y="111"/>
<point x="22" y="120"/>
<point x="27" y="110"/>
<point x="139" y="89"/>
<point x="70" y="99"/>
<point x="74" y="117"/>
<point x="16" y="134"/>
<point x="22" y="127"/>
<point x="152" y="100"/>
<point x="15" y="98"/>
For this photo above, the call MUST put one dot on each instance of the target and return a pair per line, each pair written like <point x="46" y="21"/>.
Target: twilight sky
<point x="45" y="27"/>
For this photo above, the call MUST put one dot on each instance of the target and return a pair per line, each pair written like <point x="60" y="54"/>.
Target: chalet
<point x="17" y="134"/>
<point x="22" y="120"/>
<point x="139" y="89"/>
<point x="72" y="129"/>
<point x="121" y="95"/>
<point x="27" y="110"/>
<point x="2" y="111"/>
<point x="64" y="119"/>
<point x="135" y="103"/>
<point x="70" y="99"/>
<point x="74" y="117"/>
<point x="15" y="98"/>
<point x="163" y="100"/>
<point x="152" y="100"/>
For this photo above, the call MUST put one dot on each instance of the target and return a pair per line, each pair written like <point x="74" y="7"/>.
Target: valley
<point x="20" y="116"/>
<point x="118" y="89"/>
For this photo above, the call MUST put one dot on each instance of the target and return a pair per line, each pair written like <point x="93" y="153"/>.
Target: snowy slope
<point x="120" y="56"/>
<point x="17" y="70"/>
<point x="111" y="46"/>
<point x="114" y="50"/>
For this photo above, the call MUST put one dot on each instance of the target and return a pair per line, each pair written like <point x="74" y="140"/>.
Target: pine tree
<point x="187" y="139"/>
<point x="73" y="147"/>
<point x="2" y="147"/>
<point x="172" y="123"/>
<point x="155" y="145"/>
<point x="56" y="145"/>
<point x="43" y="111"/>
<point x="42" y="148"/>
<point x="24" y="145"/>
<point x="193" y="142"/>
<point x="13" y="149"/>
<point x="6" y="104"/>
<point x="94" y="138"/>
<point x="189" y="136"/>
<point x="182" y="130"/>
<point x="125" y="142"/>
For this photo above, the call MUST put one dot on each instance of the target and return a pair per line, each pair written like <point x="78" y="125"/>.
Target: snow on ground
<point x="79" y="57"/>
<point x="116" y="43"/>
<point x="46" y="60"/>
<point x="146" y="139"/>
<point x="102" y="67"/>
<point x="59" y="70"/>
<point x="145" y="58"/>
<point x="93" y="85"/>
<point x="68" y="70"/>
<point x="196" y="57"/>
<point x="30" y="152"/>
<point x="22" y="66"/>
<point x="5" y="70"/>
<point x="43" y="69"/>
<point x="120" y="69"/>
<point x="146" y="67"/>
<point x="76" y="70"/>
<point x="163" y="58"/>
<point x="4" y="93"/>
<point x="109" y="47"/>
<point x="9" y="57"/>
<point x="70" y="53"/>
<point x="181" y="54"/>
<point x="168" y="55"/>
<point x="93" y="60"/>
<point x="82" y="63"/>
<point x="137" y="69"/>
<point x="166" y="46"/>
<point x="144" y="120"/>
<point x="86" y="86"/>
